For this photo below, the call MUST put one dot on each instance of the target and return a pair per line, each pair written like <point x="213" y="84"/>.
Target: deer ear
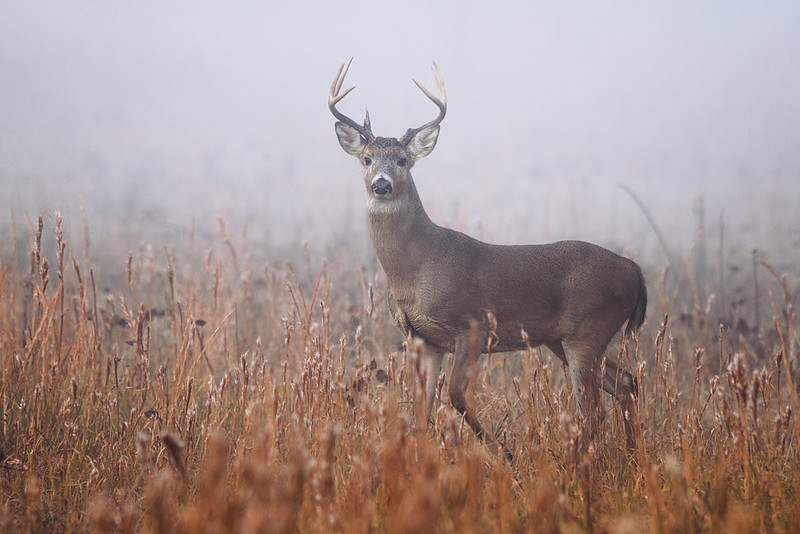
<point x="423" y="142"/>
<point x="350" y="139"/>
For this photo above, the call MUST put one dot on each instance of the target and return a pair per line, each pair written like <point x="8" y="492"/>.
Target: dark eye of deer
<point x="401" y="162"/>
<point x="367" y="160"/>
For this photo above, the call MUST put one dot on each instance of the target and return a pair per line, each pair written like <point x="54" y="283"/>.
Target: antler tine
<point x="440" y="101"/>
<point x="334" y="98"/>
<point x="437" y="76"/>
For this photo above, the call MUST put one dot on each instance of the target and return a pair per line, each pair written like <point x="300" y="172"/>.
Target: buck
<point x="465" y="297"/>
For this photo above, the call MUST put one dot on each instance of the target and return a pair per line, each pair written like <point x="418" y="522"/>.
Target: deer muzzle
<point x="381" y="186"/>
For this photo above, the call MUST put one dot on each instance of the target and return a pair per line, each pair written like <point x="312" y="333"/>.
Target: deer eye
<point x="401" y="162"/>
<point x="367" y="160"/>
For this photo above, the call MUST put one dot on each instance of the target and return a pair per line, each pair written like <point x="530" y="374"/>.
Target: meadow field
<point x="195" y="385"/>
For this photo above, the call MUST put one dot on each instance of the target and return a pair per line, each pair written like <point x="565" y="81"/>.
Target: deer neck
<point x="403" y="235"/>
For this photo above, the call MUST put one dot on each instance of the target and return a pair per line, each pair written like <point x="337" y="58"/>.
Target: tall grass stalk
<point x="179" y="391"/>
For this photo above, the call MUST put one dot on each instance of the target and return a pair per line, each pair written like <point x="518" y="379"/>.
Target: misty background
<point x="144" y="119"/>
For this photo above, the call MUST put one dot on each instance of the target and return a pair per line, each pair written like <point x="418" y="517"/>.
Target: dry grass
<point x="186" y="391"/>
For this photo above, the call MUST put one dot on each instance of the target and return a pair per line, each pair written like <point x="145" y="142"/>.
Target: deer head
<point x="387" y="161"/>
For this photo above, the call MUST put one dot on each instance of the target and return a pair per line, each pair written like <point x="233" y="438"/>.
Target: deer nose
<point x="382" y="186"/>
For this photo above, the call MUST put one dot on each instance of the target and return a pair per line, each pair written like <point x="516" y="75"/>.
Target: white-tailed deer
<point x="461" y="295"/>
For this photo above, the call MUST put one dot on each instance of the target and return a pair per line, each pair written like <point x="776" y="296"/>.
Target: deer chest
<point x="413" y="320"/>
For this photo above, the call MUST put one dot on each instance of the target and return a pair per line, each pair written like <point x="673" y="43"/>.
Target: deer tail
<point x="638" y="314"/>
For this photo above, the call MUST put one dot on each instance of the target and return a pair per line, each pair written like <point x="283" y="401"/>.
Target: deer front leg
<point x="431" y="370"/>
<point x="465" y="360"/>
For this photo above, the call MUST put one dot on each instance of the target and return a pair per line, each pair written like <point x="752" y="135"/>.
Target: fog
<point x="156" y="116"/>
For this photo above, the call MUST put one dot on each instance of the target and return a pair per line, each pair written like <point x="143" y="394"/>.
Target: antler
<point x="334" y="98"/>
<point x="441" y="103"/>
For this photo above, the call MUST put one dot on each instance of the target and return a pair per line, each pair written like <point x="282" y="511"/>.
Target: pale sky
<point x="161" y="114"/>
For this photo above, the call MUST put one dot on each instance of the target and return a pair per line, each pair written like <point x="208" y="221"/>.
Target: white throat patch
<point x="384" y="206"/>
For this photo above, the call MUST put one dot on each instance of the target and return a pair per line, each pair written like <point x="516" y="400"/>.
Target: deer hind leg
<point x="622" y="385"/>
<point x="582" y="365"/>
<point x="465" y="360"/>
